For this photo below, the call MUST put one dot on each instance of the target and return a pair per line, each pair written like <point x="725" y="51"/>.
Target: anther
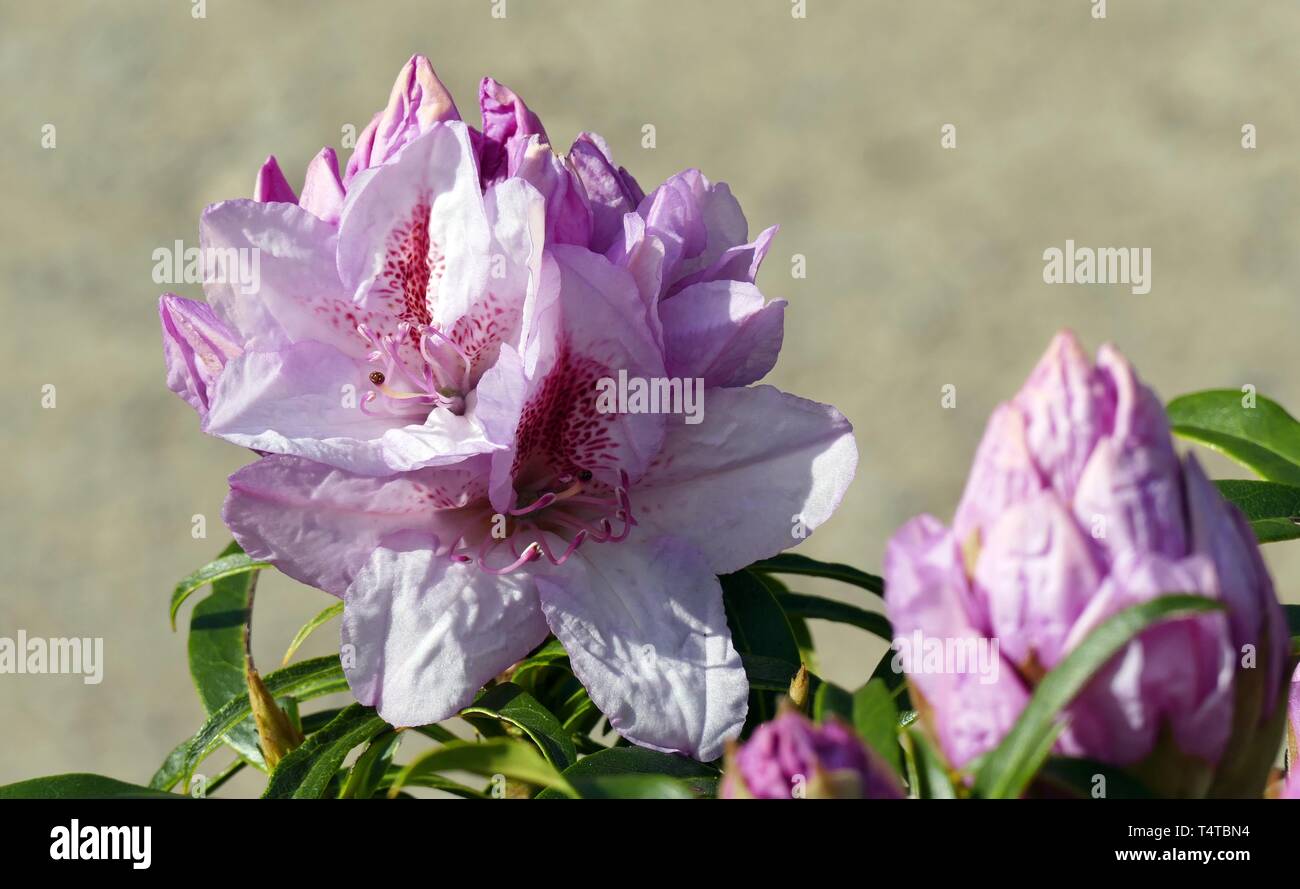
<point x="377" y="377"/>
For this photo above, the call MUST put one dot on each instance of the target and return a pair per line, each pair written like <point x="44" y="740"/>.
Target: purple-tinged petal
<point x="418" y="101"/>
<point x="1178" y="673"/>
<point x="642" y="254"/>
<point x="296" y="294"/>
<point x="505" y="118"/>
<point x="673" y="213"/>
<point x="1131" y="487"/>
<point x="322" y="190"/>
<point x="196" y="346"/>
<point x="302" y="400"/>
<point x="611" y="191"/>
<point x="739" y="263"/>
<point x="563" y="429"/>
<point x="319" y="524"/>
<point x="1003" y="473"/>
<point x="647" y="635"/>
<point x="1036" y="573"/>
<point x="568" y="214"/>
<point x="1218" y="530"/>
<point x="722" y="331"/>
<point x="414" y="240"/>
<point x="425" y="633"/>
<point x="271" y="184"/>
<point x="929" y="603"/>
<point x="1067" y="405"/>
<point x="760" y="472"/>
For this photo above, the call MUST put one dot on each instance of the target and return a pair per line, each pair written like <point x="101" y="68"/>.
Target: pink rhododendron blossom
<point x="1076" y="507"/>
<point x="472" y="289"/>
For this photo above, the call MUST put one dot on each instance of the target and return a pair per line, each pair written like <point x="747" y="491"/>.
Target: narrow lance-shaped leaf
<point x="231" y="562"/>
<point x="1273" y="510"/>
<point x="509" y="703"/>
<point x="306" y="771"/>
<point x="793" y="563"/>
<point x="1009" y="768"/>
<point x="324" y="617"/>
<point x="515" y="760"/>
<point x="819" y="608"/>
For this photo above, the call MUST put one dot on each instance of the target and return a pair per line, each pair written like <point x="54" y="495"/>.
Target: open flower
<point x="1077" y="506"/>
<point x="474" y="290"/>
<point x="384" y="295"/>
<point x="792" y="758"/>
<point x="605" y="529"/>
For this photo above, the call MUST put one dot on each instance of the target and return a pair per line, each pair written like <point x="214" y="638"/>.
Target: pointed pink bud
<point x="271" y="184"/>
<point x="322" y="190"/>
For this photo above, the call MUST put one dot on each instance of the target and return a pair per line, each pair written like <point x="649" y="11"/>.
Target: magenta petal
<point x="505" y="117"/>
<point x="568" y="214"/>
<point x="271" y="184"/>
<point x="418" y="101"/>
<point x="611" y="191"/>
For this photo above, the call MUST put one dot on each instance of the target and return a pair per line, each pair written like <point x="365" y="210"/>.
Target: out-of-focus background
<point x="924" y="265"/>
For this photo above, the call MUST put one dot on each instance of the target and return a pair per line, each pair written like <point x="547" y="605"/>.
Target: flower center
<point x="440" y="381"/>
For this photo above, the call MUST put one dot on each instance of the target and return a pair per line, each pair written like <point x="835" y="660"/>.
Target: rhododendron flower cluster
<point x="419" y="369"/>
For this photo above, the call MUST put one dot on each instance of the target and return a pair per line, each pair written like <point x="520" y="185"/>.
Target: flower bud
<point x="793" y="758"/>
<point x="1076" y="508"/>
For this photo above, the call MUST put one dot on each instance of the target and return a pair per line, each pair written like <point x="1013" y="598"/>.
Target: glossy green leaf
<point x="215" y="650"/>
<point x="758" y="627"/>
<point x="230" y="563"/>
<point x="367" y="773"/>
<point x="875" y="716"/>
<point x="1263" y="438"/>
<point x="819" y="608"/>
<point x="307" y="771"/>
<point x="631" y="787"/>
<point x="324" y="617"/>
<point x="700" y="779"/>
<point x="768" y="673"/>
<point x="1009" y="768"/>
<point x="1272" y="509"/>
<point x="792" y="563"/>
<point x="509" y="703"/>
<point x="515" y="760"/>
<point x="80" y="785"/>
<point x="303" y="680"/>
<point x="927" y="770"/>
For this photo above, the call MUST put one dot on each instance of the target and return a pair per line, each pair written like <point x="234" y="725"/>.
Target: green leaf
<point x="758" y="627"/>
<point x="511" y="704"/>
<point x="231" y="562"/>
<point x="368" y="772"/>
<point x="831" y="700"/>
<point x="515" y="760"/>
<point x="875" y="716"/>
<point x="758" y="624"/>
<point x="590" y="771"/>
<point x="324" y="617"/>
<point x="216" y="652"/>
<point x="1272" y="509"/>
<point x="768" y="673"/>
<point x="819" y="608"/>
<point x="792" y="563"/>
<point x="307" y="771"/>
<point x="1009" y="768"/>
<point x="631" y="787"/>
<point x="80" y="785"/>
<point x="928" y="770"/>
<point x="303" y="680"/>
<point x="1263" y="438"/>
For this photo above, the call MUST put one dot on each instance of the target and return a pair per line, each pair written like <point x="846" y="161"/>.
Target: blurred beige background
<point x="923" y="266"/>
